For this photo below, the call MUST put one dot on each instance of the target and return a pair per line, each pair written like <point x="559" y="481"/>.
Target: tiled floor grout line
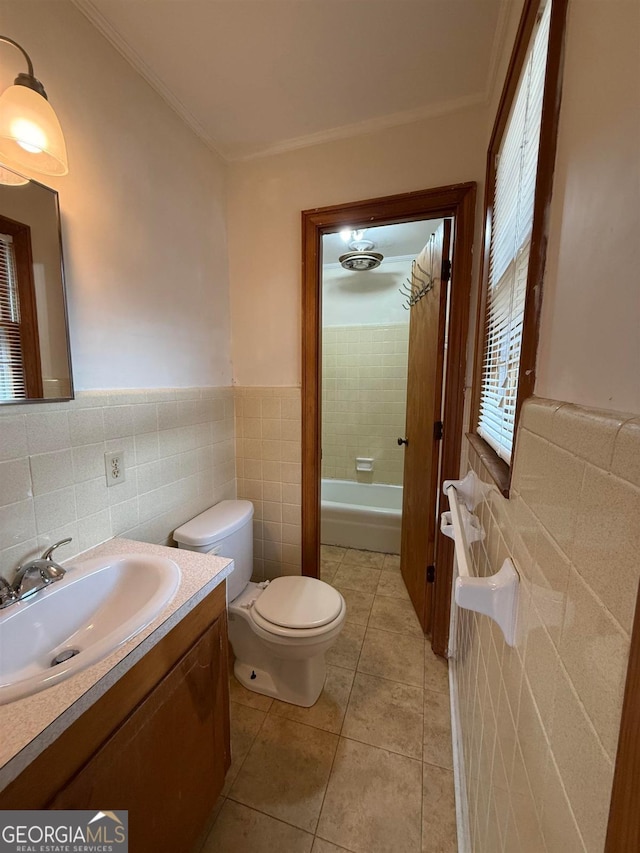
<point x="266" y="814"/>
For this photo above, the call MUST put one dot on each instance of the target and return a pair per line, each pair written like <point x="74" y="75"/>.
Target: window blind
<point x="12" y="374"/>
<point x="511" y="226"/>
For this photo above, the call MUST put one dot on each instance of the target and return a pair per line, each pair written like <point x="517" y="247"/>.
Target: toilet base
<point x="296" y="682"/>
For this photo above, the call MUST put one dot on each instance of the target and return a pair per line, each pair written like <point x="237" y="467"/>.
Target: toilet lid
<point x="299" y="602"/>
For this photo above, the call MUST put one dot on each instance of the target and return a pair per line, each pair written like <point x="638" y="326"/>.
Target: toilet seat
<point x="297" y="602"/>
<point x="295" y="633"/>
<point x="244" y="606"/>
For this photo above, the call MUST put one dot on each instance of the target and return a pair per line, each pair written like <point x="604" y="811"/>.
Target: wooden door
<point x="424" y="395"/>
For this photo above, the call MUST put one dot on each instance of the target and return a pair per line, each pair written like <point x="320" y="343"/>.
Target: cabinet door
<point x="167" y="761"/>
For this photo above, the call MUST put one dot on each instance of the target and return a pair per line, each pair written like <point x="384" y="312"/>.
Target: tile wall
<point x="179" y="456"/>
<point x="540" y="721"/>
<point x="268" y="453"/>
<point x="364" y="398"/>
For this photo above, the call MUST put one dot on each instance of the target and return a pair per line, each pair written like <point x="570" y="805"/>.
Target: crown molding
<point x="95" y="16"/>
<point x="367" y="126"/>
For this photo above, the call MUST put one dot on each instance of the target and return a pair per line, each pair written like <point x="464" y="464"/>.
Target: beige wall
<point x="540" y="721"/>
<point x="364" y="400"/>
<point x="143" y="210"/>
<point x="267" y="195"/>
<point x="179" y="460"/>
<point x="590" y="336"/>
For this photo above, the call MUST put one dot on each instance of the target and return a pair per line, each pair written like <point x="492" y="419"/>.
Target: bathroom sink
<point x="98" y="605"/>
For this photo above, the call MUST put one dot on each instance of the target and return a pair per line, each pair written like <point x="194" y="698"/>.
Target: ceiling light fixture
<point x="348" y="234"/>
<point x="30" y="133"/>
<point x="361" y="261"/>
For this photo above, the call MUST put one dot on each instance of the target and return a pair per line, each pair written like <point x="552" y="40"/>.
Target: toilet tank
<point x="225" y="530"/>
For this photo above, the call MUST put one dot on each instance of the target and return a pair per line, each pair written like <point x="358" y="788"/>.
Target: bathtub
<point x="361" y="515"/>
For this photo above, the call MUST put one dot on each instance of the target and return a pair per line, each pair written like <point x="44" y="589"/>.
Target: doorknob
<point x="402" y="441"/>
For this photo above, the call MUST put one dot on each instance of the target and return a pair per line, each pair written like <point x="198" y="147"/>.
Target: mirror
<point x="35" y="359"/>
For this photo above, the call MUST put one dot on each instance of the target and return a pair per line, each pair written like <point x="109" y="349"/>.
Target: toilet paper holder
<point x="497" y="595"/>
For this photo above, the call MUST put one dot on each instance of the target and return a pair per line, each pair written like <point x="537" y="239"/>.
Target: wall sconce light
<point x="12" y="179"/>
<point x="30" y="133"/>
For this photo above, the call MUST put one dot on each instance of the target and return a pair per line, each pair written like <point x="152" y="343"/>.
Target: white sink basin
<point x="98" y="605"/>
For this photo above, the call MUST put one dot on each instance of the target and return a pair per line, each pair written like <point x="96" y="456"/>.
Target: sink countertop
<point x="28" y="726"/>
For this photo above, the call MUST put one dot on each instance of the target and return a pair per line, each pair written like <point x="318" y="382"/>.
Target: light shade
<point x="12" y="179"/>
<point x="30" y="133"/>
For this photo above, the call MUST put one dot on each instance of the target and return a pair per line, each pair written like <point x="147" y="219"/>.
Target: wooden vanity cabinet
<point x="165" y="759"/>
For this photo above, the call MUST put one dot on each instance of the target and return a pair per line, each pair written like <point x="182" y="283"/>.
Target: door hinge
<point x="431" y="574"/>
<point x="446" y="270"/>
<point x="438" y="430"/>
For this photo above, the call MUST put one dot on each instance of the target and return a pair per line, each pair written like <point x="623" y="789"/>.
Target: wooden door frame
<point x="456" y="201"/>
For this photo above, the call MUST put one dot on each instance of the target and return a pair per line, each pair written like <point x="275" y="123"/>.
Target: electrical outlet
<point x="114" y="467"/>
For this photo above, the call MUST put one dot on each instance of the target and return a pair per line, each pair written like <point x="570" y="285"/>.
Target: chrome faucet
<point x="32" y="577"/>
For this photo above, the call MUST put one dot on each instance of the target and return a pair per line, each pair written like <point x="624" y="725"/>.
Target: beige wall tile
<point x="595" y="651"/>
<point x="553" y="713"/>
<point x="181" y="461"/>
<point x="549" y="481"/>
<point x="585" y="433"/>
<point x="607" y="541"/>
<point x="542" y="667"/>
<point x="15" y="481"/>
<point x="537" y="415"/>
<point x="51" y="471"/>
<point x="14" y="437"/>
<point x="18" y="523"/>
<point x="549" y="585"/>
<point x="86" y="426"/>
<point x="54" y="509"/>
<point x="586" y="771"/>
<point x="559" y="827"/>
<point x="47" y="431"/>
<point x="361" y="413"/>
<point x="626" y="452"/>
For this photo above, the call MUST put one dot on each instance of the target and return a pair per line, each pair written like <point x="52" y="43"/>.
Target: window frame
<point x="498" y="468"/>
<point x="29" y="337"/>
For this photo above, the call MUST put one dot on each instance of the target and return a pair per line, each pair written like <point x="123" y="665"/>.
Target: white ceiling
<point x="261" y="76"/>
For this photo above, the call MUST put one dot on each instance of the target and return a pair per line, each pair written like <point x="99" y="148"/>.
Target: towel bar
<point x="495" y="596"/>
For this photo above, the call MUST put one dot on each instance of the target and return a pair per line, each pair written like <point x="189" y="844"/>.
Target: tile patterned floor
<point x="368" y="768"/>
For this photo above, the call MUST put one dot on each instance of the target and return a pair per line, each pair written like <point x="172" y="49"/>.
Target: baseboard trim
<point x="459" y="776"/>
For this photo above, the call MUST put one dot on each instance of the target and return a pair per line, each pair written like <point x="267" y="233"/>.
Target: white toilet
<point x="279" y="630"/>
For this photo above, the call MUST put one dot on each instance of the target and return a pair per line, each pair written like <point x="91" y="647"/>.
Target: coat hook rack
<point x="419" y="284"/>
